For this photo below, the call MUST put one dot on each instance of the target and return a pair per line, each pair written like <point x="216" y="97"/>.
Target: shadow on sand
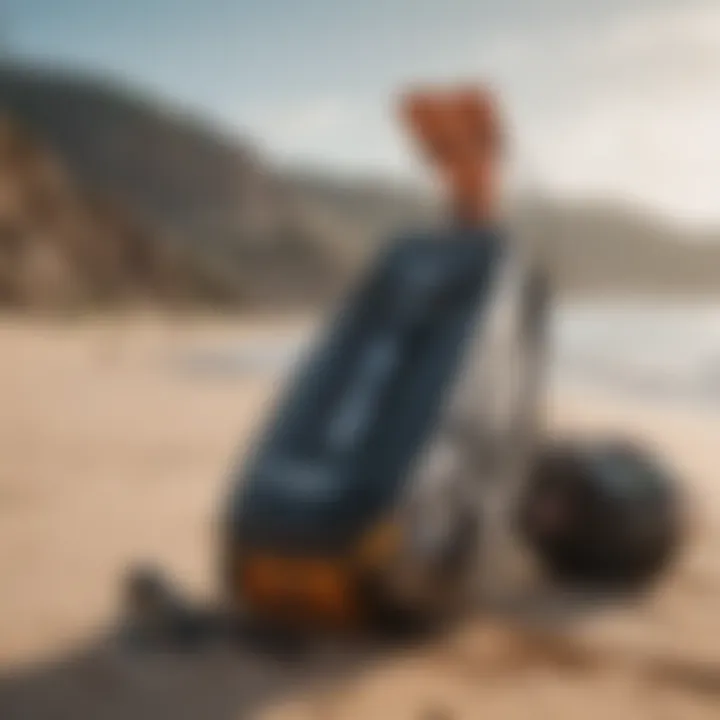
<point x="105" y="681"/>
<point x="238" y="679"/>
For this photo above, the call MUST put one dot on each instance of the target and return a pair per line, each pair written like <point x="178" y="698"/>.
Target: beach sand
<point x="112" y="455"/>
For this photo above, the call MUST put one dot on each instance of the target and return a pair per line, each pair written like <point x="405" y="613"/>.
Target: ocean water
<point x="659" y="351"/>
<point x="664" y="351"/>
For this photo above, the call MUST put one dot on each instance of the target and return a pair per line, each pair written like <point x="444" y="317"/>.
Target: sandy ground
<point x="109" y="455"/>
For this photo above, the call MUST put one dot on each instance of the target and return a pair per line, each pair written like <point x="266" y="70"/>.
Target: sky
<point x="616" y="99"/>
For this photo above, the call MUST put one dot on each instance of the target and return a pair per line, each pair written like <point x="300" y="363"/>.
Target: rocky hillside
<point x="63" y="246"/>
<point x="234" y="230"/>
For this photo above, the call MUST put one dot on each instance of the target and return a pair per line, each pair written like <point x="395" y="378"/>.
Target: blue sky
<point x="605" y="97"/>
<point x="223" y="54"/>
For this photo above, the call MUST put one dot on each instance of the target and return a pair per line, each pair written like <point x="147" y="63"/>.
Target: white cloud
<point x="625" y="108"/>
<point x="343" y="131"/>
<point x="630" y="109"/>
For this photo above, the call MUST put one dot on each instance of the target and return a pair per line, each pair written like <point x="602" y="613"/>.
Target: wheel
<point x="447" y="578"/>
<point x="602" y="516"/>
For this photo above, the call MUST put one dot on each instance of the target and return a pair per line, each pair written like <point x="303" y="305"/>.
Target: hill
<point x="595" y="249"/>
<point x="205" y="198"/>
<point x="223" y="223"/>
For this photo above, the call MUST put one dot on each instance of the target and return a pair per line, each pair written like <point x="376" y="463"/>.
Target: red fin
<point x="458" y="130"/>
